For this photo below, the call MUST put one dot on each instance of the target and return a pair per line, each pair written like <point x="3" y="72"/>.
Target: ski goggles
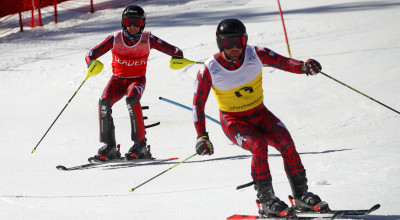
<point x="137" y="22"/>
<point x="230" y="42"/>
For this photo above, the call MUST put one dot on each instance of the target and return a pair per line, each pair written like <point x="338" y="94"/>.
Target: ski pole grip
<point x="95" y="68"/>
<point x="179" y="63"/>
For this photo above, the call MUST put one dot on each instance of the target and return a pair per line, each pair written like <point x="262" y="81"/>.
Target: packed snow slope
<point x="349" y="144"/>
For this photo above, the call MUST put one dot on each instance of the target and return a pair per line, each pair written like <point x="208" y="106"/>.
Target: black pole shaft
<point x="360" y="92"/>
<point x="34" y="149"/>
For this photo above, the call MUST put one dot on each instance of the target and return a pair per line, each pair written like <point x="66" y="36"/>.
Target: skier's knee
<point x="132" y="100"/>
<point x="104" y="107"/>
<point x="104" y="102"/>
<point x="259" y="150"/>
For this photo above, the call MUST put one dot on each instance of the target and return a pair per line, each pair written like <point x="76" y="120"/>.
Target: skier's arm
<point x="202" y="90"/>
<point x="100" y="49"/>
<point x="275" y="60"/>
<point x="164" y="47"/>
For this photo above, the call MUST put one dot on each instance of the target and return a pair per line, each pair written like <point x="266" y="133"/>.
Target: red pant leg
<point x="245" y="135"/>
<point x="279" y="137"/>
<point x="114" y="90"/>
<point x="134" y="94"/>
<point x="254" y="130"/>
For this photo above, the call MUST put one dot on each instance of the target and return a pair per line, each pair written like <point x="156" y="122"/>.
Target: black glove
<point x="204" y="146"/>
<point x="177" y="57"/>
<point x="178" y="54"/>
<point x="311" y="67"/>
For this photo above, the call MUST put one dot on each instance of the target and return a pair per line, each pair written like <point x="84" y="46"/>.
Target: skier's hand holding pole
<point x="204" y="146"/>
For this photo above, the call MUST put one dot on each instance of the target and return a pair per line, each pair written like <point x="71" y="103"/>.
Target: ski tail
<point x="233" y="217"/>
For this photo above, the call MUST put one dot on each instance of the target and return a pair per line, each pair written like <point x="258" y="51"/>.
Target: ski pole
<point x="359" y="92"/>
<point x="95" y="68"/>
<point x="188" y="108"/>
<point x="185" y="62"/>
<point x="284" y="29"/>
<point x="177" y="64"/>
<point x="133" y="189"/>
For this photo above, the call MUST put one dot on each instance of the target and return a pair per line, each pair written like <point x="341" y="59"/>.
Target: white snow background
<point x="349" y="145"/>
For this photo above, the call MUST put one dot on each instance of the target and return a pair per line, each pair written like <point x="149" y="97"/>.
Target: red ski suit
<point x="256" y="127"/>
<point x="127" y="83"/>
<point x="129" y="64"/>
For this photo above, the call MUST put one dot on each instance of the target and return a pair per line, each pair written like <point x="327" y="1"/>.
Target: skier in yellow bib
<point x="235" y="75"/>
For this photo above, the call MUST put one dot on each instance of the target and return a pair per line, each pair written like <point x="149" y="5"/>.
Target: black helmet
<point x="230" y="28"/>
<point x="134" y="11"/>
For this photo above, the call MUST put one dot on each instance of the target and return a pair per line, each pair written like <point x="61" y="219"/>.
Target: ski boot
<point x="305" y="201"/>
<point x="139" y="150"/>
<point x="270" y="205"/>
<point x="107" y="133"/>
<point x="108" y="152"/>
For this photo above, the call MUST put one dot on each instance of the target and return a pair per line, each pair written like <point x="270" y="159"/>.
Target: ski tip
<point x="60" y="167"/>
<point x="377" y="206"/>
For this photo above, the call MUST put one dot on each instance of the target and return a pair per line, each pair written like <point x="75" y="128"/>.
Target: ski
<point x="93" y="160"/>
<point x="121" y="162"/>
<point x="240" y="217"/>
<point x="342" y="213"/>
<point x="313" y="215"/>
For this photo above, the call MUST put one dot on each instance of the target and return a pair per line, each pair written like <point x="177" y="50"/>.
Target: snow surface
<point x="349" y="144"/>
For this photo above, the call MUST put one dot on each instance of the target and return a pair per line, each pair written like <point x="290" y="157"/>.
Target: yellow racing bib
<point x="241" y="89"/>
<point x="242" y="98"/>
